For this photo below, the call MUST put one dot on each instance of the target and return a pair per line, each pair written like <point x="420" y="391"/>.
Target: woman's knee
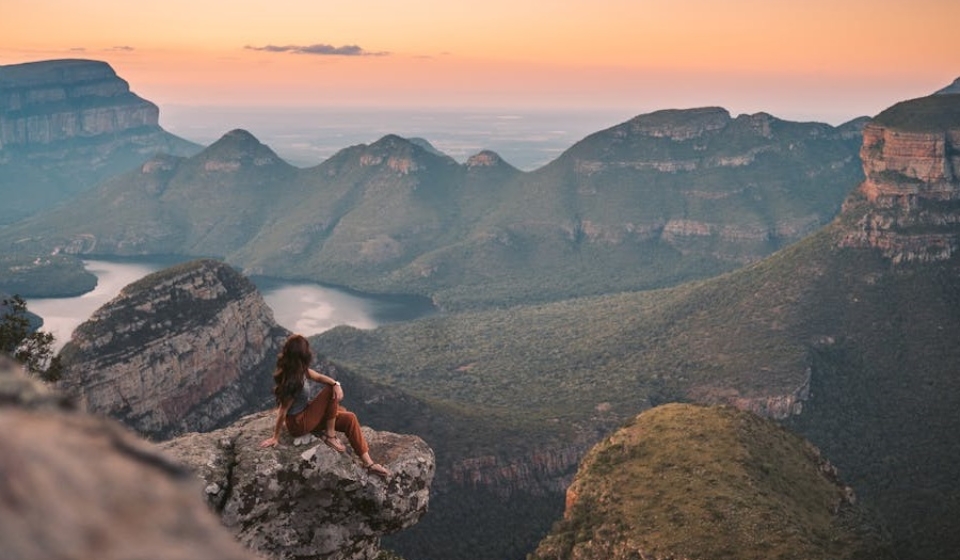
<point x="347" y="418"/>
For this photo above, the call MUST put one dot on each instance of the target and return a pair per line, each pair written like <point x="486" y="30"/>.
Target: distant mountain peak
<point x="952" y="88"/>
<point x="426" y="145"/>
<point x="236" y="149"/>
<point x="393" y="142"/>
<point x="485" y="158"/>
<point x="680" y="124"/>
<point x="402" y="155"/>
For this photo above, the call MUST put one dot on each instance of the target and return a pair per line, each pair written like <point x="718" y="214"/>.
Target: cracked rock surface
<point x="302" y="499"/>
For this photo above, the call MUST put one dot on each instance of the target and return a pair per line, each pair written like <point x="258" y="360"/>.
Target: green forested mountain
<point x="663" y="198"/>
<point x="851" y="337"/>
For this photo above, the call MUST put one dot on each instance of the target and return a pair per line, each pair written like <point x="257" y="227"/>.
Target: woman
<point x="309" y="402"/>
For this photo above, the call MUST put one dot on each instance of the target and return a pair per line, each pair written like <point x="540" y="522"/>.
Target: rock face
<point x="911" y="159"/>
<point x="77" y="486"/>
<point x="65" y="125"/>
<point x="303" y="499"/>
<point x="188" y="348"/>
<point x="684" y="481"/>
<point x="51" y="101"/>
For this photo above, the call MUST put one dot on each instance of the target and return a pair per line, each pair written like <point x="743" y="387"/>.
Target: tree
<point x="32" y="348"/>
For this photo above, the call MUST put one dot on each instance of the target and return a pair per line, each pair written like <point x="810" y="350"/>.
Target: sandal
<point x="333" y="442"/>
<point x="378" y="470"/>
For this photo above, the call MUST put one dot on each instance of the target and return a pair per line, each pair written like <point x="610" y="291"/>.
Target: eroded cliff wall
<point x="908" y="206"/>
<point x="65" y="126"/>
<point x="189" y="348"/>
<point x="50" y="101"/>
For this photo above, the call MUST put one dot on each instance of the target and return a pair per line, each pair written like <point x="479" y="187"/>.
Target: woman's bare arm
<point x="323" y="378"/>
<point x="281" y="416"/>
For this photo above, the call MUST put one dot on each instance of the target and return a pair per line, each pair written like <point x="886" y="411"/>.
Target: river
<point x="303" y="307"/>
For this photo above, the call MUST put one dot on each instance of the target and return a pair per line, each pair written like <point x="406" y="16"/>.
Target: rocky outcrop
<point x="484" y="158"/>
<point x="680" y="124"/>
<point x="188" y="348"/>
<point x="952" y="88"/>
<point x="685" y="481"/>
<point x="907" y="205"/>
<point x="56" y="100"/>
<point x="77" y="486"/>
<point x="66" y="125"/>
<point x="303" y="499"/>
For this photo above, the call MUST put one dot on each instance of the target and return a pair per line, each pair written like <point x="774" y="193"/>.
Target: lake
<point x="303" y="307"/>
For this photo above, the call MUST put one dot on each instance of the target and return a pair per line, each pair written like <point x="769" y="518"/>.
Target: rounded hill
<point x="686" y="481"/>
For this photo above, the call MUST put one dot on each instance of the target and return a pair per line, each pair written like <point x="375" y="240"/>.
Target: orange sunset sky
<point x="828" y="60"/>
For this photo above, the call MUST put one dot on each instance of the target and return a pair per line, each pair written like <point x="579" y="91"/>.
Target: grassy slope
<point x="695" y="482"/>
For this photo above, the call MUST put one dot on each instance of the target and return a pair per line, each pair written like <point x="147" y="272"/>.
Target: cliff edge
<point x="189" y="348"/>
<point x="302" y="499"/>
<point x="907" y="205"/>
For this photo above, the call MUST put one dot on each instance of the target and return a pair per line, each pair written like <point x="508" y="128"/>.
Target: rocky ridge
<point x="188" y="348"/>
<point x="952" y="88"/>
<point x="73" y="485"/>
<point x="302" y="499"/>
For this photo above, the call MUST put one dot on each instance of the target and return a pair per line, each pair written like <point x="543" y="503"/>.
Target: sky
<point x="825" y="60"/>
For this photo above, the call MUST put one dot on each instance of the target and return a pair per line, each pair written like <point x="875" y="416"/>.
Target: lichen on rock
<point x="302" y="499"/>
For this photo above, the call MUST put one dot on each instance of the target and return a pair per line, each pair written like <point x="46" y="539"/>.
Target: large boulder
<point x="302" y="499"/>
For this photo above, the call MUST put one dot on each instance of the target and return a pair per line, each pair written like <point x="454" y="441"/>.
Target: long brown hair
<point x="292" y="364"/>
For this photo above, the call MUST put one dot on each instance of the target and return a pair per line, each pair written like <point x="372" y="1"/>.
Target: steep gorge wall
<point x="185" y="349"/>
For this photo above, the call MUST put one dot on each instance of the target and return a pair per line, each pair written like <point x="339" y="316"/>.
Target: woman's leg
<point x="321" y="411"/>
<point x="347" y="423"/>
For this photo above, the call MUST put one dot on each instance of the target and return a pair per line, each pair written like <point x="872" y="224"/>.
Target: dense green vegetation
<point x="877" y="344"/>
<point x="661" y="199"/>
<point x="47" y="276"/>
<point x="683" y="481"/>
<point x="20" y="340"/>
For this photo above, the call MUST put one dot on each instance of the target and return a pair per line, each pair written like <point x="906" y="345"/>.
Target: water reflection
<point x="303" y="307"/>
<point x="62" y="315"/>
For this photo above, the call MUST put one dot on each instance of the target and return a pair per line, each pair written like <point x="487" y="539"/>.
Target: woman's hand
<point x="269" y="442"/>
<point x="337" y="392"/>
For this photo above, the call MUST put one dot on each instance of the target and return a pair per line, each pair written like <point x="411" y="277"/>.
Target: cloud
<point x="318" y="49"/>
<point x="121" y="48"/>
